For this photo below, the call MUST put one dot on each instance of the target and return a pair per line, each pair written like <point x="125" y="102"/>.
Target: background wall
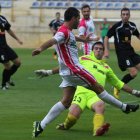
<point x="31" y="25"/>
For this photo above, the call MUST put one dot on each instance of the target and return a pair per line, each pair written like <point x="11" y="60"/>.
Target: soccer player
<point x="54" y="25"/>
<point x="104" y="27"/>
<point x="7" y="54"/>
<point x="127" y="58"/>
<point x="87" y="27"/>
<point x="85" y="98"/>
<point x="71" y="71"/>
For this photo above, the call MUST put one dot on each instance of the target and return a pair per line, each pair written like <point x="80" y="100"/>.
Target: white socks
<point x="112" y="100"/>
<point x="52" y="114"/>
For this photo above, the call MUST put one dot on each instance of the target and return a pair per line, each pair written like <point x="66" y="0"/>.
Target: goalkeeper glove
<point x="136" y="93"/>
<point x="43" y="73"/>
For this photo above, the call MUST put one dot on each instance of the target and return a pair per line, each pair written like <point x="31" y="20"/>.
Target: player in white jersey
<point x="86" y="27"/>
<point x="72" y="72"/>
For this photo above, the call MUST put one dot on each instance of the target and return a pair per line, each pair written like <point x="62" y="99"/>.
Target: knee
<point x="66" y="103"/>
<point x="99" y="107"/>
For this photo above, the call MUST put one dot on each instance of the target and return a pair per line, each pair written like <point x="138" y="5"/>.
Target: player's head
<point x="125" y="14"/>
<point x="85" y="11"/>
<point x="98" y="49"/>
<point x="105" y="20"/>
<point x="72" y="15"/>
<point x="57" y="15"/>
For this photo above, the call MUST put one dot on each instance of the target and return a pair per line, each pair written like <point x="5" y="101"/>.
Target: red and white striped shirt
<point x="68" y="56"/>
<point x="85" y="28"/>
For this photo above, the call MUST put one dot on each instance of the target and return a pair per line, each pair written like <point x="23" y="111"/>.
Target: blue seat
<point x="35" y="4"/>
<point x="60" y="5"/>
<point x="77" y="4"/>
<point x="128" y="5"/>
<point x="118" y="5"/>
<point x="102" y="5"/>
<point x="92" y="5"/>
<point x="6" y="4"/>
<point x="43" y="4"/>
<point x="110" y="6"/>
<point x="135" y="6"/>
<point x="51" y="4"/>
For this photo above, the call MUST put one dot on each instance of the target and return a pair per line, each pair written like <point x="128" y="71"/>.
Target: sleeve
<point x="114" y="80"/>
<point x="136" y="32"/>
<point x="111" y="31"/>
<point x="82" y="27"/>
<point x="51" y="24"/>
<point x="60" y="37"/>
<point x="6" y="25"/>
<point x="81" y="30"/>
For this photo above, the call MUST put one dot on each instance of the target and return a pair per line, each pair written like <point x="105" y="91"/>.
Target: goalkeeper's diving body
<point x="85" y="98"/>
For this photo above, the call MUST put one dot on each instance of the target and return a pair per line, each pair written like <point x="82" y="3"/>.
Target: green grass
<point x="32" y="98"/>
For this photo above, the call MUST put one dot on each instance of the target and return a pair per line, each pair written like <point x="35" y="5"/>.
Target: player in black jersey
<point x="127" y="58"/>
<point x="54" y="25"/>
<point x="7" y="54"/>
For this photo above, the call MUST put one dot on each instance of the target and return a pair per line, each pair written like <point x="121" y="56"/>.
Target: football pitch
<point x="32" y="98"/>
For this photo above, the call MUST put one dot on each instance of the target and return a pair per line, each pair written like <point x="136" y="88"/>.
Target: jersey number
<point x="78" y="99"/>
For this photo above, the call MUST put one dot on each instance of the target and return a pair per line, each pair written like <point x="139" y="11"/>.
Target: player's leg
<point x="76" y="108"/>
<point x="103" y="94"/>
<point x="72" y="117"/>
<point x="5" y="75"/>
<point x="13" y="69"/>
<point x="55" y="111"/>
<point x="16" y="63"/>
<point x="97" y="105"/>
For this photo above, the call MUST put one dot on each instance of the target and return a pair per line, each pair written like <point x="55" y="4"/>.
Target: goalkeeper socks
<point x="52" y="114"/>
<point x="70" y="121"/>
<point x="127" y="78"/>
<point x="111" y="100"/>
<point x="98" y="121"/>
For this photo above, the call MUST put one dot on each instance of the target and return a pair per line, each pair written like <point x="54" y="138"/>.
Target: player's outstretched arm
<point x="44" y="73"/>
<point x="128" y="89"/>
<point x="14" y="36"/>
<point x="44" y="46"/>
<point x="106" y="52"/>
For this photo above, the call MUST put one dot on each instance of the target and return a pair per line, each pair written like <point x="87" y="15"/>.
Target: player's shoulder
<point x="82" y="22"/>
<point x="2" y="17"/>
<point x="63" y="29"/>
<point x="132" y="23"/>
<point x="119" y="23"/>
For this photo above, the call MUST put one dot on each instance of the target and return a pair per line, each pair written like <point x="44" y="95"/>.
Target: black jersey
<point x="4" y="25"/>
<point x="122" y="33"/>
<point x="55" y="24"/>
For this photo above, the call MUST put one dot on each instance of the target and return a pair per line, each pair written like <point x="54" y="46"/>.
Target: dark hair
<point x="71" y="12"/>
<point x="98" y="43"/>
<point x="57" y="13"/>
<point x="85" y="6"/>
<point x="125" y="9"/>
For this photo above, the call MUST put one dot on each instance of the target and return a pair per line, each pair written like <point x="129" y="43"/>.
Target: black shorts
<point x="128" y="61"/>
<point x="7" y="54"/>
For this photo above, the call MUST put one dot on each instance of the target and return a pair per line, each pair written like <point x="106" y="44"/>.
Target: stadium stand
<point x="6" y="4"/>
<point x="101" y="5"/>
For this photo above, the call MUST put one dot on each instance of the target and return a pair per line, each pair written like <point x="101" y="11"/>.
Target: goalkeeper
<point x="103" y="73"/>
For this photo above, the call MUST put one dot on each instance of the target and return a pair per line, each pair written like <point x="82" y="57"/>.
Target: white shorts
<point x="72" y="80"/>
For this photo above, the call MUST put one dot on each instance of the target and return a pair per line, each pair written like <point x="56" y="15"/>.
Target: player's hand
<point x="136" y="93"/>
<point x="20" y="42"/>
<point x="36" y="52"/>
<point x="96" y="38"/>
<point x="41" y="73"/>
<point x="106" y="55"/>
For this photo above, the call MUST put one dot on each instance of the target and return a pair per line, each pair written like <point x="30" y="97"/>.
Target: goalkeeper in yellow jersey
<point x="85" y="98"/>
